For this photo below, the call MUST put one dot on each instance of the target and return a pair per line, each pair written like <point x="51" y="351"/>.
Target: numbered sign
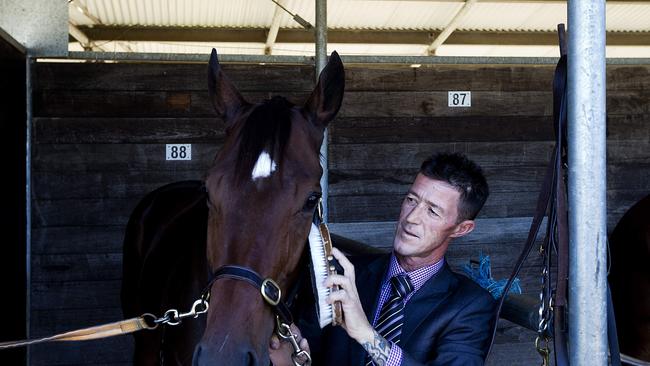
<point x="460" y="99"/>
<point x="178" y="151"/>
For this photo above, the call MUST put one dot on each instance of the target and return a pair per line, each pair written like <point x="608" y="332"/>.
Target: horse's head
<point x="263" y="189"/>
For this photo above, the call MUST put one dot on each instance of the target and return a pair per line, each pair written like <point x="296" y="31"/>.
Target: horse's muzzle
<point x="211" y="356"/>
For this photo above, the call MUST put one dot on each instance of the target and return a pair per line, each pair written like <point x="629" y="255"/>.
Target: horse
<point x="629" y="280"/>
<point x="253" y="210"/>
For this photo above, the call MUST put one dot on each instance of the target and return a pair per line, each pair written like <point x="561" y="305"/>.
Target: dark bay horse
<point x="629" y="279"/>
<point x="254" y="210"/>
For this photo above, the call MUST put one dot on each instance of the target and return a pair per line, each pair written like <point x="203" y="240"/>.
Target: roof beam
<point x="273" y="30"/>
<point x="82" y="38"/>
<point x="450" y="28"/>
<point x="297" y="35"/>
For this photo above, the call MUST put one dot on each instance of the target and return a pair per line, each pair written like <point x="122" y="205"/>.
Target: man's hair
<point x="462" y="174"/>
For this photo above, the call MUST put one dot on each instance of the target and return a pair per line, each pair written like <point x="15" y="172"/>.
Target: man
<point x="409" y="308"/>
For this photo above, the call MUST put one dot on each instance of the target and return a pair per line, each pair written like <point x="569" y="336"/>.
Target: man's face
<point x="428" y="222"/>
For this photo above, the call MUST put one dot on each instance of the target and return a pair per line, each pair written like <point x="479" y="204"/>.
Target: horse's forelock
<point x="266" y="129"/>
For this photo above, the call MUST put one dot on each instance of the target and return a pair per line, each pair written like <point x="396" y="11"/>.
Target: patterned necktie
<point x="391" y="317"/>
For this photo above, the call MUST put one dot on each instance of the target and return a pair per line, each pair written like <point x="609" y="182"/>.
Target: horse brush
<point x="323" y="265"/>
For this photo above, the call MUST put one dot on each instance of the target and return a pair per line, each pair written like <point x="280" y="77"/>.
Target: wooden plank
<point x="76" y="267"/>
<point x="618" y="202"/>
<point x="52" y="321"/>
<point x="118" y="157"/>
<point x="83" y="212"/>
<point x="127" y="130"/>
<point x="628" y="77"/>
<point x="631" y="151"/>
<point x="627" y="127"/>
<point x="488" y="230"/>
<point x="124" y="104"/>
<point x="480" y="78"/>
<point x="435" y="104"/>
<point x="500" y="179"/>
<point x="164" y="76"/>
<point x="161" y="76"/>
<point x="358" y="130"/>
<point x="386" y="207"/>
<point x="73" y="103"/>
<point x="77" y="239"/>
<point x="370" y="182"/>
<point x="411" y="155"/>
<point x="450" y="77"/>
<point x="486" y="154"/>
<point x="501" y="239"/>
<point x="76" y="295"/>
<point x="514" y="204"/>
<point x="67" y="184"/>
<point x="108" y="351"/>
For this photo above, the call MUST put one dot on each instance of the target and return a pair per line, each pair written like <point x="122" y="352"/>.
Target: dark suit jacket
<point x="447" y="322"/>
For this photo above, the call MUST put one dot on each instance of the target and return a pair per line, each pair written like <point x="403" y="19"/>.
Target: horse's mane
<point x="267" y="128"/>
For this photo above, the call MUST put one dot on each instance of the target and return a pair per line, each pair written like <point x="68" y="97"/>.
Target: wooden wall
<point x="99" y="139"/>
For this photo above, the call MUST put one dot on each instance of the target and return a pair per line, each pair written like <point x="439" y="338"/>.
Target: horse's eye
<point x="312" y="201"/>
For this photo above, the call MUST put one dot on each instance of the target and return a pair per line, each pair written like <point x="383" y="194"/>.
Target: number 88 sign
<point x="178" y="152"/>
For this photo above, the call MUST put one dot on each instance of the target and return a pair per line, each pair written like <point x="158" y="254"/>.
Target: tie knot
<point x="401" y="285"/>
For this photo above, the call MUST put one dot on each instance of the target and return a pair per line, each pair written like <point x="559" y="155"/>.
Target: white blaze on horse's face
<point x="264" y="166"/>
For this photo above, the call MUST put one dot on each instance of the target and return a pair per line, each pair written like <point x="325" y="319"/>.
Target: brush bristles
<point x="320" y="266"/>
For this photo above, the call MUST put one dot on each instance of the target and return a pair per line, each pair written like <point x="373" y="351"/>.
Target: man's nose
<point x="413" y="216"/>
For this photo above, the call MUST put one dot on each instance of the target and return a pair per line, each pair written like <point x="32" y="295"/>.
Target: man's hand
<point x="354" y="319"/>
<point x="355" y="322"/>
<point x="280" y="351"/>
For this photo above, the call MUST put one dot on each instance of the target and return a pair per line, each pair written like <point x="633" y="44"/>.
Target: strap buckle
<point x="271" y="292"/>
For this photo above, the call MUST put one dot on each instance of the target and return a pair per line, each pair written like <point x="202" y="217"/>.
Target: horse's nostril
<point x="252" y="361"/>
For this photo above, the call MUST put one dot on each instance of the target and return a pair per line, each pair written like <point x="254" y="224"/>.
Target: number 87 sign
<point x="178" y="152"/>
<point x="459" y="99"/>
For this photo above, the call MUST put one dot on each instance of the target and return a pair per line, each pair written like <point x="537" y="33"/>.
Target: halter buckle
<point x="271" y="292"/>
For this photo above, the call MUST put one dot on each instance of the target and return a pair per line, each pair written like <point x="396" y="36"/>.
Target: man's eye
<point x="433" y="212"/>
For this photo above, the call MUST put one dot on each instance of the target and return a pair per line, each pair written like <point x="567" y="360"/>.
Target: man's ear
<point x="325" y="100"/>
<point x="464" y="228"/>
<point x="225" y="98"/>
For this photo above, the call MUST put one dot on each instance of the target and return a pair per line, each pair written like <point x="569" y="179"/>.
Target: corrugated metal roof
<point x="383" y="15"/>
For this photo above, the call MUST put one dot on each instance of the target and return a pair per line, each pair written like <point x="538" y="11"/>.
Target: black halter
<point x="269" y="289"/>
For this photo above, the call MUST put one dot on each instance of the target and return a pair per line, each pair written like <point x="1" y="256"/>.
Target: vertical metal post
<point x="587" y="183"/>
<point x="29" y="64"/>
<point x="321" y="61"/>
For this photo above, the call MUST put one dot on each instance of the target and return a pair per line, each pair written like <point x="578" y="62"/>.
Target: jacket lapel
<point x="426" y="300"/>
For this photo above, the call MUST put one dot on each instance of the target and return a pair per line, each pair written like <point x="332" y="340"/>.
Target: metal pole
<point x="321" y="61"/>
<point x="29" y="64"/>
<point x="587" y="183"/>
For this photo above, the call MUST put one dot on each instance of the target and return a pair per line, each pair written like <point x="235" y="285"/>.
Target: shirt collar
<point x="419" y="276"/>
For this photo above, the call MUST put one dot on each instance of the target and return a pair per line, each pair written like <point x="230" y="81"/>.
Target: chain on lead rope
<point x="173" y="317"/>
<point x="545" y="309"/>
<point x="300" y="357"/>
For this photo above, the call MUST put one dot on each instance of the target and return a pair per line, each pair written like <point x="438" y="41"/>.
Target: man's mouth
<point x="409" y="233"/>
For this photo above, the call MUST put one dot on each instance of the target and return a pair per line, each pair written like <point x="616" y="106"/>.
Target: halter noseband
<point x="269" y="289"/>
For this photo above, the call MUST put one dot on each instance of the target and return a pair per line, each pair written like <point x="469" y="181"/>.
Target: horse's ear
<point x="326" y="99"/>
<point x="225" y="98"/>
